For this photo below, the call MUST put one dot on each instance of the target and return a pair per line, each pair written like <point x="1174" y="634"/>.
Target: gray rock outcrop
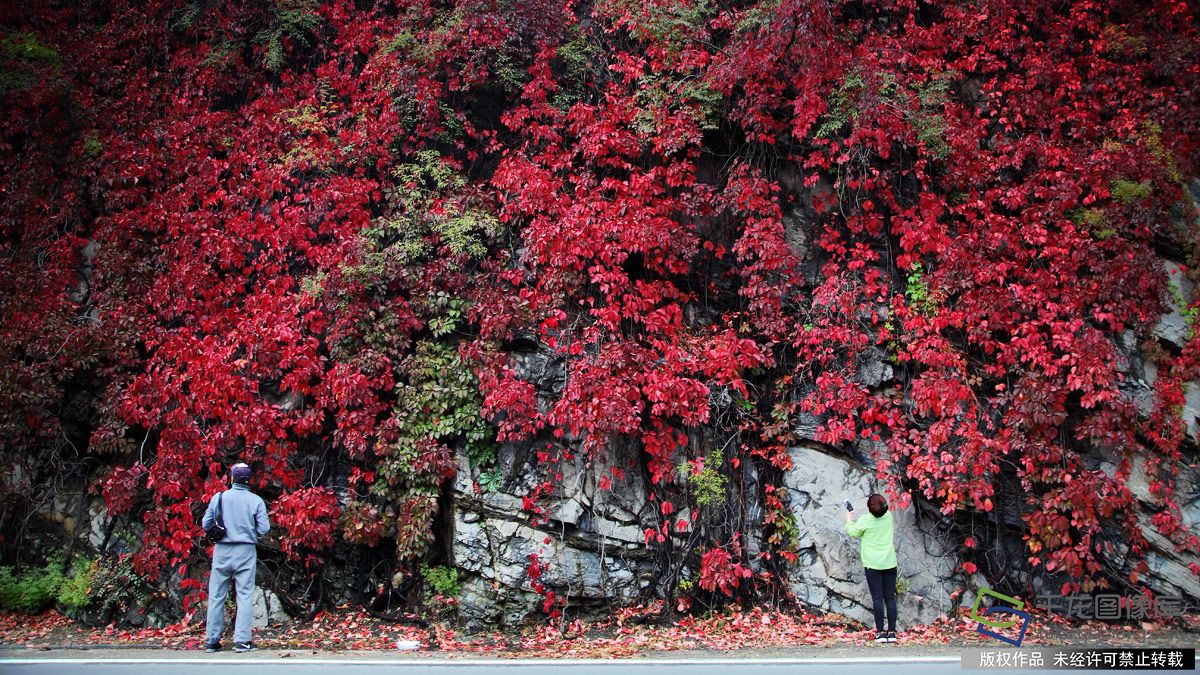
<point x="830" y="574"/>
<point x="268" y="610"/>
<point x="591" y="546"/>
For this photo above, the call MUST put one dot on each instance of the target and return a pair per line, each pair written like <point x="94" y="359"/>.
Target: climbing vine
<point x="315" y="237"/>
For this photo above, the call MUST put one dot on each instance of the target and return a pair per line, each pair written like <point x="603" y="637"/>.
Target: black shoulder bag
<point x="216" y="532"/>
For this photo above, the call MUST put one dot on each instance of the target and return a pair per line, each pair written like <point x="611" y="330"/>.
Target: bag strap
<point x="219" y="519"/>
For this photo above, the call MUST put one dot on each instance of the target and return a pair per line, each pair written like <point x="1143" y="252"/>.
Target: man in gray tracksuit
<point x="236" y="556"/>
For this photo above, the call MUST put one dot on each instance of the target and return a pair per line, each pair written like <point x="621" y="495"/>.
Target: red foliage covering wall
<point x="233" y="225"/>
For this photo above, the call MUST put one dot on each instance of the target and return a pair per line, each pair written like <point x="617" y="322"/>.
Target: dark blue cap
<point x="240" y="472"/>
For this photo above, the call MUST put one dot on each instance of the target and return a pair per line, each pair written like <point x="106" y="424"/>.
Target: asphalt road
<point x="231" y="665"/>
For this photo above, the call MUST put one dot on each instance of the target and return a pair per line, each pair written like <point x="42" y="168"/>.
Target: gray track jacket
<point x="244" y="513"/>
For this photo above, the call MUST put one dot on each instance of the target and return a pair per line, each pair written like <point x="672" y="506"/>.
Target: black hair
<point x="877" y="505"/>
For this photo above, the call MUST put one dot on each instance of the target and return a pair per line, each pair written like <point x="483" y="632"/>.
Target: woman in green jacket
<point x="879" y="559"/>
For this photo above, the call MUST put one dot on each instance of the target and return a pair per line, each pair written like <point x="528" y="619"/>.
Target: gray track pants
<point x="239" y="562"/>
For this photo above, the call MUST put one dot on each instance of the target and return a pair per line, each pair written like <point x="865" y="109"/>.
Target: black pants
<point x="883" y="590"/>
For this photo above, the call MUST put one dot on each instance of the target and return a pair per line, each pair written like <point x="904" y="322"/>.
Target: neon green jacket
<point x="878" y="546"/>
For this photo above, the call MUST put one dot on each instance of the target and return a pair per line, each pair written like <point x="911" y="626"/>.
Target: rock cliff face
<point x="592" y="545"/>
<point x="592" y="548"/>
<point x="830" y="576"/>
<point x="1169" y="571"/>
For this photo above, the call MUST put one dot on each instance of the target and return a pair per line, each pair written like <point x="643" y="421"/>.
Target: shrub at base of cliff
<point x="96" y="592"/>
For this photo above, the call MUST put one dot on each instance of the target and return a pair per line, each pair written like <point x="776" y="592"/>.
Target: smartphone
<point x="849" y="506"/>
